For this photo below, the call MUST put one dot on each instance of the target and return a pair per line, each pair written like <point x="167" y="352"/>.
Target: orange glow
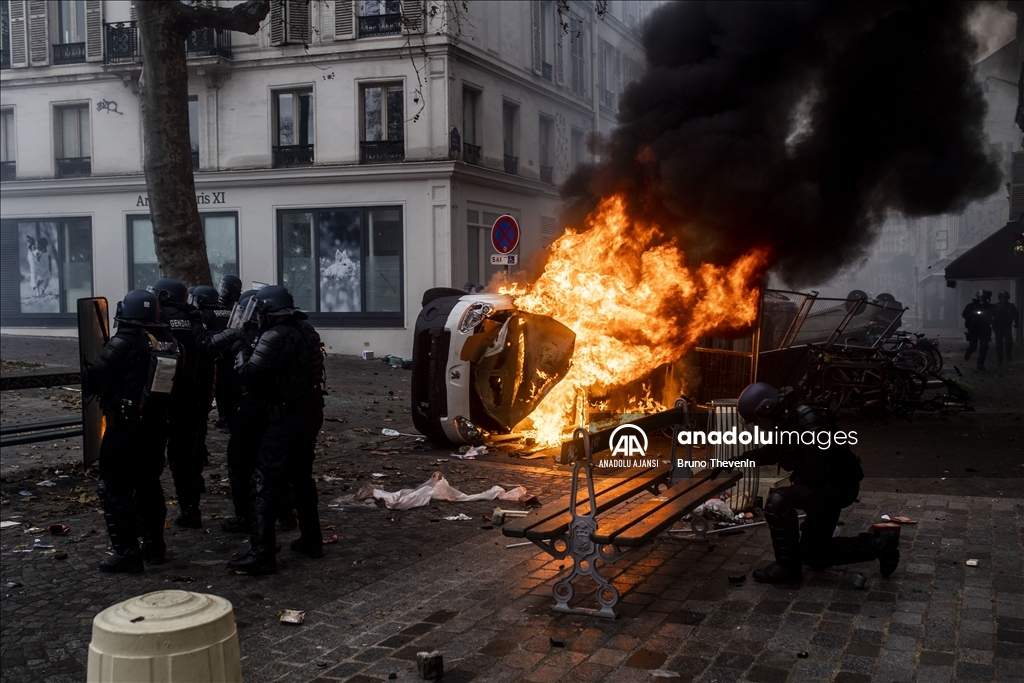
<point x="634" y="304"/>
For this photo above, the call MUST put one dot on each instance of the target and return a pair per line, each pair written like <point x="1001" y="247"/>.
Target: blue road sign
<point x="505" y="234"/>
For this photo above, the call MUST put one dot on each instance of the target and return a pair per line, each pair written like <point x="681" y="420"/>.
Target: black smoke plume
<point x="796" y="126"/>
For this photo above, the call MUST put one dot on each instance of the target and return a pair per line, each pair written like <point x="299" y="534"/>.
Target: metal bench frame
<point x="578" y="542"/>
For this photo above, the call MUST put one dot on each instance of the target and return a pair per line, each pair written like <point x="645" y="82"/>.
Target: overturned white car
<point x="481" y="366"/>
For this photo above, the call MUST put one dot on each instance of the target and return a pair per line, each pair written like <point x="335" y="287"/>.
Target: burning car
<point x="481" y="366"/>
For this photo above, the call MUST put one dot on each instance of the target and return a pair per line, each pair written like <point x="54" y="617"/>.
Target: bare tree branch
<point x="245" y="18"/>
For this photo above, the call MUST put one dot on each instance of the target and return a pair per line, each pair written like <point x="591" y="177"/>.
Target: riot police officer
<point x="205" y="302"/>
<point x="978" y="321"/>
<point x="227" y="390"/>
<point x="132" y="452"/>
<point x="1004" y="318"/>
<point x="184" y="454"/>
<point x="286" y="371"/>
<point x="823" y="482"/>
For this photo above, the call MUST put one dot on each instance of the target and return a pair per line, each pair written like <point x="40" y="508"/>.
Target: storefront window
<point x="344" y="262"/>
<point x="220" y="229"/>
<point x="46" y="268"/>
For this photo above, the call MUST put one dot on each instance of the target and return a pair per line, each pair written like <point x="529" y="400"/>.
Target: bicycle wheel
<point x="894" y="387"/>
<point x="934" y="360"/>
<point x="910" y="359"/>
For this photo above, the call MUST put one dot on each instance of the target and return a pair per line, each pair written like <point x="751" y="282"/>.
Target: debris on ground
<point x="461" y="517"/>
<point x="430" y="665"/>
<point x="293" y="616"/>
<point x="438" y="488"/>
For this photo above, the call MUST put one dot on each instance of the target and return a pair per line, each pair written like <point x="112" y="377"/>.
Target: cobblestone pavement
<point x="399" y="583"/>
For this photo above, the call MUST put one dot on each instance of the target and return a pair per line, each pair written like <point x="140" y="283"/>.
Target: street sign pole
<point x="504" y="239"/>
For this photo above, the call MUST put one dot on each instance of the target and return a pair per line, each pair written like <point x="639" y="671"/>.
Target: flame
<point x="624" y="288"/>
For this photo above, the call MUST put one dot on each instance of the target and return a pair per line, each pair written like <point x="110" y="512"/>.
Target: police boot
<point x="122" y="530"/>
<point x="154" y="550"/>
<point x="189" y="517"/>
<point x="886" y="543"/>
<point x="262" y="540"/>
<point x="287" y="520"/>
<point x="785" y="532"/>
<point x="237" y="525"/>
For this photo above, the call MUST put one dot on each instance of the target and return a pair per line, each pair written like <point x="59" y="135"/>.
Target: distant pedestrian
<point x="1004" y="318"/>
<point x="135" y="402"/>
<point x="978" y="321"/>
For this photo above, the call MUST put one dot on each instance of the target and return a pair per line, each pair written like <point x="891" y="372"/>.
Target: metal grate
<point x="471" y="154"/>
<point x="68" y="53"/>
<point x="381" y="151"/>
<point x="122" y="43"/>
<point x="286" y="155"/>
<point x="723" y="417"/>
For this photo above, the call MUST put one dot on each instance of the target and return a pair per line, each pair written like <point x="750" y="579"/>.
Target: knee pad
<point x="777" y="504"/>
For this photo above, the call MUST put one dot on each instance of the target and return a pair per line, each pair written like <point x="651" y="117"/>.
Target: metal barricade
<point x="723" y="417"/>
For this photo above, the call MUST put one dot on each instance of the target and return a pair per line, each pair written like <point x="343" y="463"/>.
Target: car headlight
<point x="474" y="315"/>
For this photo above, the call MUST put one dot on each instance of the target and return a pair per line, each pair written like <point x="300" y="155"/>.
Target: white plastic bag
<point x="438" y="488"/>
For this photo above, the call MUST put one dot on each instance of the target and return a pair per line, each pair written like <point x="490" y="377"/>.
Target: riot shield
<point x="93" y="333"/>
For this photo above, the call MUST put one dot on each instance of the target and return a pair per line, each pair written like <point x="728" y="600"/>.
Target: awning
<point x="992" y="258"/>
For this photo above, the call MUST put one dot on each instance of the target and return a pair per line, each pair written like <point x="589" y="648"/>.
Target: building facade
<point x="357" y="152"/>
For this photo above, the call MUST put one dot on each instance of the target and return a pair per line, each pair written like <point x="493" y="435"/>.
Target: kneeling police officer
<point x="823" y="482"/>
<point x="131" y="376"/>
<point x="286" y="372"/>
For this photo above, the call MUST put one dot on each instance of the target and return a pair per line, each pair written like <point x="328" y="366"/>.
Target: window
<point x="380" y="17"/>
<point x="510" y="122"/>
<point x="941" y="240"/>
<point x="70" y="47"/>
<point x="479" y="270"/>
<point x="46" y="268"/>
<point x="609" y="75"/>
<point x="576" y="48"/>
<point x="547" y="33"/>
<point x="5" y="34"/>
<point x="219" y="229"/>
<point x="383" y="125"/>
<point x="547" y="158"/>
<point x="72" y="141"/>
<point x="193" y="131"/>
<point x="345" y="262"/>
<point x="289" y="22"/>
<point x="470" y="104"/>
<point x="293" y="116"/>
<point x="577" y="148"/>
<point x="8" y="153"/>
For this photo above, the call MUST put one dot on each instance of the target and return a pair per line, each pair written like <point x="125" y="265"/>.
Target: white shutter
<point x="93" y="30"/>
<point x="38" y="33"/>
<point x="19" y="51"/>
<point x="559" y="53"/>
<point x="297" y="21"/>
<point x="277" y="19"/>
<point x="535" y="33"/>
<point x="344" y="20"/>
<point x="602" y="67"/>
<point x="412" y="16"/>
<point x="616" y="78"/>
<point x="131" y="11"/>
<point x="1017" y="186"/>
<point x="576" y="55"/>
<point x="548" y="231"/>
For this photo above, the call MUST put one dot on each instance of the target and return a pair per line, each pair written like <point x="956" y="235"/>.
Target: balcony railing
<point x="74" y="166"/>
<point x="122" y="43"/>
<point x="209" y="42"/>
<point x="381" y="151"/>
<point x="380" y="25"/>
<point x="471" y="154"/>
<point x="5" y="57"/>
<point x="511" y="165"/>
<point x="195" y="160"/>
<point x="546" y="174"/>
<point x="287" y="155"/>
<point x="68" y="53"/>
<point x="8" y="170"/>
<point x="545" y="71"/>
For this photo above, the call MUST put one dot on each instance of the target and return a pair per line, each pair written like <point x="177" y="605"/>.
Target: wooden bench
<point x="569" y="525"/>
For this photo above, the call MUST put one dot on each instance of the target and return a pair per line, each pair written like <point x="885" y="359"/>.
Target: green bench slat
<point x="553" y="519"/>
<point x="653" y="517"/>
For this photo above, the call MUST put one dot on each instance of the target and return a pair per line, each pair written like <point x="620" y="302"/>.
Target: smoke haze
<point x="796" y="126"/>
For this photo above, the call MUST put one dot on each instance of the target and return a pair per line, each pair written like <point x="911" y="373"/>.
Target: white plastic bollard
<point x="166" y="636"/>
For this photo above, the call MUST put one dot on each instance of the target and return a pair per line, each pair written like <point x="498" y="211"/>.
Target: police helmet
<point x="139" y="307"/>
<point x="205" y="296"/>
<point x="275" y="300"/>
<point x="230" y="286"/>
<point x="757" y="399"/>
<point x="169" y="289"/>
<point x="243" y="298"/>
<point x="1004" y="296"/>
<point x="986" y="295"/>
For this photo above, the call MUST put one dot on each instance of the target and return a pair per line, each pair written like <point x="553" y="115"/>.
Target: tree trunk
<point x="177" y="231"/>
<point x="164" y="26"/>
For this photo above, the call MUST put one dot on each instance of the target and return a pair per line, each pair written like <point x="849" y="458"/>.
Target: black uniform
<point x="132" y="453"/>
<point x="285" y="372"/>
<point x="977" y="317"/>
<point x="185" y="442"/>
<point x="227" y="388"/>
<point x="823" y="482"/>
<point x="1004" y="319"/>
